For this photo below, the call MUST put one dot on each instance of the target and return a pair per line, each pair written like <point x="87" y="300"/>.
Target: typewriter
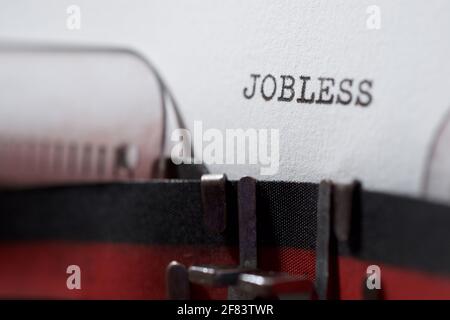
<point x="260" y="150"/>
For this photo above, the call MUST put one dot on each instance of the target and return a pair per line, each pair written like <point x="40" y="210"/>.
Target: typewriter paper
<point x="397" y="143"/>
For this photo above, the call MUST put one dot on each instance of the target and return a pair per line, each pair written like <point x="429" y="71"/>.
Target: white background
<point x="205" y="50"/>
